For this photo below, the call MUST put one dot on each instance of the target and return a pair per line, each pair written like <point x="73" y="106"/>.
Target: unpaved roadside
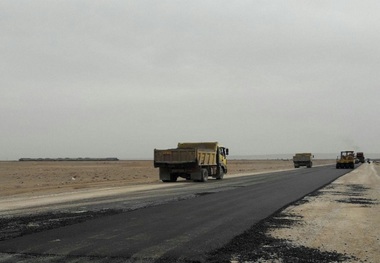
<point x="343" y="217"/>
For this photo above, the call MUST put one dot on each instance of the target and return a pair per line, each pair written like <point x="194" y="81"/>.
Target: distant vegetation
<point x="66" y="159"/>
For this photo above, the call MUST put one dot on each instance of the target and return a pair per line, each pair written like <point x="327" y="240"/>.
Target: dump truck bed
<point x="183" y="156"/>
<point x="302" y="157"/>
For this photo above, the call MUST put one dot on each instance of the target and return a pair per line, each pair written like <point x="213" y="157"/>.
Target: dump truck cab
<point x="222" y="157"/>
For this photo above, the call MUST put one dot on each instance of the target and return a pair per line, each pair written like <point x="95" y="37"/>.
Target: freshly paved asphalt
<point x="181" y="230"/>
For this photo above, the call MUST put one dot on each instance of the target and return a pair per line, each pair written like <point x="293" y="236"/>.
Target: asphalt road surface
<point x="195" y="219"/>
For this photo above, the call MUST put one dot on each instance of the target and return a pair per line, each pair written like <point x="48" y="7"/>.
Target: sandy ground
<point x="342" y="217"/>
<point x="37" y="178"/>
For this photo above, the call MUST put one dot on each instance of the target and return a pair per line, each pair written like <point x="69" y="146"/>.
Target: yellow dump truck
<point x="193" y="161"/>
<point x="303" y="159"/>
<point x="346" y="160"/>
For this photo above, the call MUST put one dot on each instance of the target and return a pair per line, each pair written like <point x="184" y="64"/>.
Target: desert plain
<point x="39" y="177"/>
<point x="343" y="217"/>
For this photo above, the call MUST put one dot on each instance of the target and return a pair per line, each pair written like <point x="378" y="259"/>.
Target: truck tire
<point x="204" y="175"/>
<point x="220" y="174"/>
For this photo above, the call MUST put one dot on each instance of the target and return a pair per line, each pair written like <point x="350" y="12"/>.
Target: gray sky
<point x="120" y="78"/>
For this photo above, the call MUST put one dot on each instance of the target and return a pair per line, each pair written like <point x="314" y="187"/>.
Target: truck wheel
<point x="204" y="175"/>
<point x="220" y="174"/>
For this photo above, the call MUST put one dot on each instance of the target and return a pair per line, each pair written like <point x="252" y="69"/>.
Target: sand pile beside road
<point x="35" y="178"/>
<point x="343" y="217"/>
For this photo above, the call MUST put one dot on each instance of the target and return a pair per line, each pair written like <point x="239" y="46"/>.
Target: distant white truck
<point x="303" y="159"/>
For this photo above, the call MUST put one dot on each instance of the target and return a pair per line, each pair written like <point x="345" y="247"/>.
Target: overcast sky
<point x="120" y="78"/>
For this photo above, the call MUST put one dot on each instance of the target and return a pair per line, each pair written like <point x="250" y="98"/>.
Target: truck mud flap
<point x="200" y="175"/>
<point x="165" y="174"/>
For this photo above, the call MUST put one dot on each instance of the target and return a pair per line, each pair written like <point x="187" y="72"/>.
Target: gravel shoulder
<point x="343" y="217"/>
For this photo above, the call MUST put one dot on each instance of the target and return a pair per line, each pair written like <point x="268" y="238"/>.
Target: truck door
<point x="222" y="156"/>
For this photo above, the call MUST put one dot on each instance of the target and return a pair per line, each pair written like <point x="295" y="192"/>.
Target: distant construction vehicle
<point x="360" y="157"/>
<point x="346" y="160"/>
<point x="193" y="161"/>
<point x="303" y="159"/>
